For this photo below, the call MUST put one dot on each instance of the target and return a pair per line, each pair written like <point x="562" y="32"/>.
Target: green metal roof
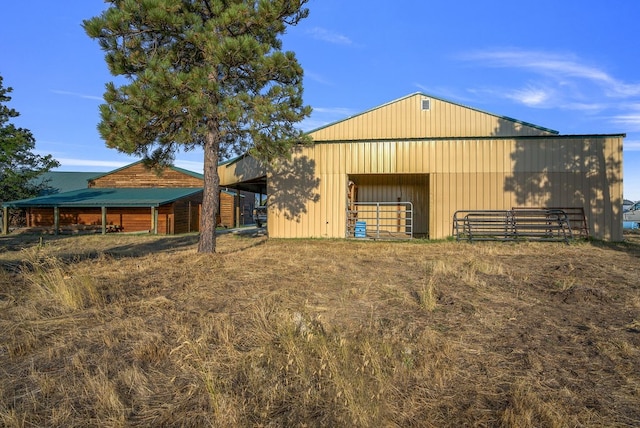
<point x="63" y="181"/>
<point x="107" y="197"/>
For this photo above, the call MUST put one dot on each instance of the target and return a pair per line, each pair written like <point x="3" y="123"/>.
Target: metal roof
<point x="108" y="197"/>
<point x="64" y="181"/>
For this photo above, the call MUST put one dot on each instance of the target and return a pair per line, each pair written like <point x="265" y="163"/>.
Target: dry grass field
<point x="125" y="330"/>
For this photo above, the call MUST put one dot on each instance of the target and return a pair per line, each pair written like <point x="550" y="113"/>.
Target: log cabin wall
<point x="137" y="175"/>
<point x="227" y="209"/>
<point x="186" y="218"/>
<point x="131" y="219"/>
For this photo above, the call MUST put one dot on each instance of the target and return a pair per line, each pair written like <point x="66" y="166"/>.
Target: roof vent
<point x="426" y="104"/>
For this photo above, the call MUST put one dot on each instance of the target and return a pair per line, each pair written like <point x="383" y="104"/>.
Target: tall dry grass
<point x="143" y="331"/>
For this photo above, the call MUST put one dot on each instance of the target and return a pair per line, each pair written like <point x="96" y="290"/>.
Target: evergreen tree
<point x="19" y="166"/>
<point x="208" y="73"/>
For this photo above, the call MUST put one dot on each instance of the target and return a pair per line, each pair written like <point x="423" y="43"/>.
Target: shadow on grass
<point x="12" y="247"/>
<point x="163" y="244"/>
<point x="630" y="245"/>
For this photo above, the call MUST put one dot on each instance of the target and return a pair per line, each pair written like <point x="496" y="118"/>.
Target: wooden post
<point x="5" y="221"/>
<point x="154" y="220"/>
<point x="56" y="219"/>
<point x="237" y="208"/>
<point x="189" y="217"/>
<point x="104" y="220"/>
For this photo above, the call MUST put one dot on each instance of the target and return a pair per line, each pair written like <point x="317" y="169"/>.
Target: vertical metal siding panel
<point x="403" y="156"/>
<point x="406" y="157"/>
<point x="373" y="159"/>
<point x="451" y="202"/>
<point x="400" y="122"/>
<point x="617" y="226"/>
<point x="354" y="154"/>
<point x="326" y="198"/>
<point x="319" y="215"/>
<point x="420" y="123"/>
<point x="441" y="203"/>
<point x="493" y="197"/>
<point x="309" y="224"/>
<point x="429" y="120"/>
<point x="443" y="153"/>
<point x="329" y="208"/>
<point x="436" y="130"/>
<point x="366" y="167"/>
<point x="445" y="121"/>
<point x="361" y="159"/>
<point x="483" y="198"/>
<point x="336" y="226"/>
<point x="433" y="201"/>
<point x="420" y="156"/>
<point x="608" y="179"/>
<point x="393" y="154"/>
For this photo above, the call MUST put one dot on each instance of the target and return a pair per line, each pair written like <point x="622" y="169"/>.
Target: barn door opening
<point x="387" y="206"/>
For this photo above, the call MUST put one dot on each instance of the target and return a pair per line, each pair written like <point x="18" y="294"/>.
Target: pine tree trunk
<point x="211" y="196"/>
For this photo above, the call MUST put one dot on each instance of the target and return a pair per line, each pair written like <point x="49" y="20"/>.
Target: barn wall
<point x="132" y="219"/>
<point x="186" y="216"/>
<point x="137" y="175"/>
<point x="308" y="194"/>
<point x="405" y="118"/>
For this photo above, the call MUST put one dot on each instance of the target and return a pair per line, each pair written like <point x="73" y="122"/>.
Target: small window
<point x="426" y="104"/>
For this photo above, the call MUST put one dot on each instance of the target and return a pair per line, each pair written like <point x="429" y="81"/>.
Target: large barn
<point x="411" y="164"/>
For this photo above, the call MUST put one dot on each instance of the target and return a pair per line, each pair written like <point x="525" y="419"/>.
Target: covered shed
<point x="421" y="159"/>
<point x="133" y="198"/>
<point x="156" y="210"/>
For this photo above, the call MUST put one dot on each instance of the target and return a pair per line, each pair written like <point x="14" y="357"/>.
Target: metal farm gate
<point x="380" y="220"/>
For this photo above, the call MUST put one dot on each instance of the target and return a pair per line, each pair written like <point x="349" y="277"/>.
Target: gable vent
<point x="426" y="104"/>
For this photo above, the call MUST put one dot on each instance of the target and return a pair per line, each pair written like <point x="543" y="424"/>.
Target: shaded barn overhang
<point x="244" y="173"/>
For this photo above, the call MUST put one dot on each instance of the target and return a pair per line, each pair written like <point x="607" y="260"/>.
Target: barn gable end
<point x="138" y="175"/>
<point x="424" y="116"/>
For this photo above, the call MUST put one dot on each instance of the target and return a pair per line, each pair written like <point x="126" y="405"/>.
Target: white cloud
<point x="631" y="146"/>
<point x="75" y="94"/>
<point x="631" y="120"/>
<point x="326" y="35"/>
<point x="532" y="97"/>
<point x="558" y="67"/>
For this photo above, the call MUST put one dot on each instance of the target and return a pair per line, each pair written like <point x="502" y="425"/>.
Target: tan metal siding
<point x="244" y="169"/>
<point x="405" y="118"/>
<point x="463" y="174"/>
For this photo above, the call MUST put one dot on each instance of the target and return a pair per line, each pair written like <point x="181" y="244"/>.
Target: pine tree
<point x="19" y="166"/>
<point x="207" y="73"/>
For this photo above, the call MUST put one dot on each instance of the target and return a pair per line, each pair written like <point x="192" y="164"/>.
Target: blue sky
<point x="572" y="66"/>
